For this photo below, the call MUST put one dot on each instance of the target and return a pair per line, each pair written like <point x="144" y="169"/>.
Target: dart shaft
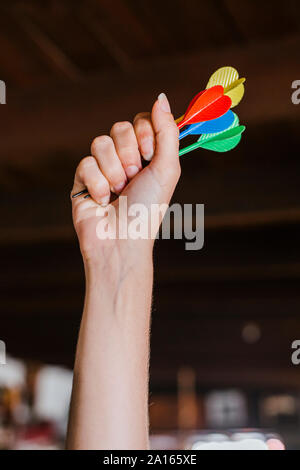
<point x="193" y="129"/>
<point x="190" y="148"/>
<point x="181" y="124"/>
<point x="184" y="134"/>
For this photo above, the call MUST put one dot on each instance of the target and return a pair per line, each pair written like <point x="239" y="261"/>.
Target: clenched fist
<point x="115" y="166"/>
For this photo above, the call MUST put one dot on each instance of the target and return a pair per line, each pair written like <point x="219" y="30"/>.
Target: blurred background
<point x="225" y="317"/>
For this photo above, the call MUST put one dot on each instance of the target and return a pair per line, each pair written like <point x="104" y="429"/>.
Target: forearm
<point x="110" y="392"/>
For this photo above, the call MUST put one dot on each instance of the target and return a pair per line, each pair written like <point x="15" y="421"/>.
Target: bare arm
<point x="109" y="405"/>
<point x="109" y="408"/>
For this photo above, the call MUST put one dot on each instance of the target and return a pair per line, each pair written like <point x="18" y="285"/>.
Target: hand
<point x="116" y="166"/>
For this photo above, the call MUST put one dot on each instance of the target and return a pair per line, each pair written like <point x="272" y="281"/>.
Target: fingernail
<point x="164" y="103"/>
<point x="131" y="171"/>
<point x="104" y="201"/>
<point x="118" y="187"/>
<point x="147" y="148"/>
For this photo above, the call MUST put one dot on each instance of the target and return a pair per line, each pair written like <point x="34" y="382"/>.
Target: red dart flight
<point x="206" y="105"/>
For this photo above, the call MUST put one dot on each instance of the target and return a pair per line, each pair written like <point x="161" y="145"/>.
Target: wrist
<point x="119" y="287"/>
<point x="111" y="265"/>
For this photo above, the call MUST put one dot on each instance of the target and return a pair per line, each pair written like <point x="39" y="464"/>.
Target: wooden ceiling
<point x="74" y="67"/>
<point x="43" y="41"/>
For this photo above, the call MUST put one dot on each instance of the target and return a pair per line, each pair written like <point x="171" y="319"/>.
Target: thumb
<point x="165" y="161"/>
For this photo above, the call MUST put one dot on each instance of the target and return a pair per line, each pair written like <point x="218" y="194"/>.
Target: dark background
<point x="71" y="69"/>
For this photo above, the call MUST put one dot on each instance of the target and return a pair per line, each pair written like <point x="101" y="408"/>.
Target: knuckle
<point x="120" y="127"/>
<point x="144" y="134"/>
<point x="173" y="128"/>
<point x="101" y="143"/>
<point x="101" y="188"/>
<point x="84" y="164"/>
<point x="116" y="174"/>
<point x="171" y="125"/>
<point x="141" y="116"/>
<point x="170" y="130"/>
<point x="143" y="128"/>
<point x="129" y="155"/>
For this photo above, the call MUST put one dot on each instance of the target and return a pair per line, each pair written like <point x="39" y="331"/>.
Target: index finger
<point x="145" y="135"/>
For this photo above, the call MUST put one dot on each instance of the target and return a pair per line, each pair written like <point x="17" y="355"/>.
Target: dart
<point x="218" y="142"/>
<point x="209" y="127"/>
<point x="207" y="105"/>
<point x="208" y="115"/>
<point x="189" y="106"/>
<point x="228" y="77"/>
